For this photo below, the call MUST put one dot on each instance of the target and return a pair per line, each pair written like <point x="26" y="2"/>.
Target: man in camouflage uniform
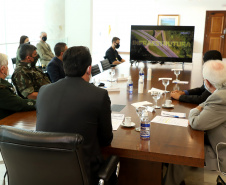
<point x="9" y="101"/>
<point x="27" y="78"/>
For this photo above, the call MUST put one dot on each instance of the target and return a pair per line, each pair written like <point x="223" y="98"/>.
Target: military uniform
<point x="10" y="102"/>
<point x="28" y="79"/>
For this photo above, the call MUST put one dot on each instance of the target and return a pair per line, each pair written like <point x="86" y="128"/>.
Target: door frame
<point x="205" y="40"/>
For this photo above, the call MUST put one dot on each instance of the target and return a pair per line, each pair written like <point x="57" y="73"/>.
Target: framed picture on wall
<point x="169" y="20"/>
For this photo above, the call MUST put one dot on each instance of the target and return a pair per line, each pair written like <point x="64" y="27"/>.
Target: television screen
<point x="162" y="43"/>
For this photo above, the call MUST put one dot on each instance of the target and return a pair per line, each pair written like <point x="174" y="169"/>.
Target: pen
<point x="169" y="115"/>
<point x="180" y="82"/>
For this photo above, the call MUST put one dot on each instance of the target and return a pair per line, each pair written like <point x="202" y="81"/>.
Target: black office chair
<point x="112" y="65"/>
<point x="95" y="70"/>
<point x="105" y="64"/>
<point x="220" y="181"/>
<point x="46" y="158"/>
<point x="220" y="151"/>
<point x="9" y="77"/>
<point x="14" y="62"/>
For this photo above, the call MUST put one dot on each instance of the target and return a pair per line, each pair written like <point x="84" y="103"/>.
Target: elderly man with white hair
<point x="9" y="101"/>
<point x="44" y="50"/>
<point x="210" y="116"/>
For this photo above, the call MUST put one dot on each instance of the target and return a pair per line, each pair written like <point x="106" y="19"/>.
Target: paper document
<point x="118" y="116"/>
<point x="150" y="109"/>
<point x="165" y="78"/>
<point x="140" y="104"/>
<point x="103" y="79"/>
<point x="122" y="78"/>
<point x="117" y="120"/>
<point x="176" y="69"/>
<point x="173" y="114"/>
<point x="155" y="89"/>
<point x="111" y="89"/>
<point x="180" y="82"/>
<point x="170" y="121"/>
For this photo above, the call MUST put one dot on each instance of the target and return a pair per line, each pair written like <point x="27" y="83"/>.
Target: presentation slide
<point x="163" y="43"/>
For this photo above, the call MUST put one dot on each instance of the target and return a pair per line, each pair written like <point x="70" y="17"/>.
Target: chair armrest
<point x="108" y="168"/>
<point x="220" y="180"/>
<point x="218" y="160"/>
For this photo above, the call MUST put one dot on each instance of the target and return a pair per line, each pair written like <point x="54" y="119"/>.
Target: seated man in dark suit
<point x="55" y="67"/>
<point x="200" y="94"/>
<point x="73" y="105"/>
<point x="112" y="54"/>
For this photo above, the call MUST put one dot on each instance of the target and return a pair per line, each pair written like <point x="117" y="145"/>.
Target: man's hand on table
<point x="200" y="108"/>
<point x="176" y="94"/>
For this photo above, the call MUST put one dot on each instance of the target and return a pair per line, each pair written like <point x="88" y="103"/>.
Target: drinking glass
<point x="97" y="82"/>
<point x="139" y="111"/>
<point x="177" y="72"/>
<point x="112" y="73"/>
<point x="156" y="95"/>
<point x="165" y="82"/>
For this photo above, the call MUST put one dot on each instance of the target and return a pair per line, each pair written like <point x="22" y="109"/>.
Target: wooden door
<point x="215" y="32"/>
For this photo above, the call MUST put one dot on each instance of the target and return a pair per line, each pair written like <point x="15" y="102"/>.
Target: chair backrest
<point x="95" y="70"/>
<point x="105" y="64"/>
<point x="44" y="158"/>
<point x="14" y="62"/>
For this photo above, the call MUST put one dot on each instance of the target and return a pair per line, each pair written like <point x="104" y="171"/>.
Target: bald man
<point x="210" y="116"/>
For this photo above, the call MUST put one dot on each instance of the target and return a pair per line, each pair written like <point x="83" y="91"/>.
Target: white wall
<point x="86" y="22"/>
<point x="30" y="17"/>
<point x="26" y="17"/>
<point x="78" y="21"/>
<point x="121" y="14"/>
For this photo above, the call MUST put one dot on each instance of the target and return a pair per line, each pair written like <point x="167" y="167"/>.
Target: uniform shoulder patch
<point x="30" y="103"/>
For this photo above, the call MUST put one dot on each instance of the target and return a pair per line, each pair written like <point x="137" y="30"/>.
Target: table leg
<point x="134" y="172"/>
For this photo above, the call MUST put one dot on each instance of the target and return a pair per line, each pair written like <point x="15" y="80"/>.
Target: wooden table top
<point x="170" y="144"/>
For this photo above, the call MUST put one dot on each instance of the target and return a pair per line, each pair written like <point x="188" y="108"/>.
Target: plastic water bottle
<point x="140" y="85"/>
<point x="141" y="73"/>
<point x="145" y="126"/>
<point x="130" y="85"/>
<point x="149" y="74"/>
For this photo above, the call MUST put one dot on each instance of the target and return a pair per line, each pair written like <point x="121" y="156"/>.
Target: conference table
<point x="141" y="160"/>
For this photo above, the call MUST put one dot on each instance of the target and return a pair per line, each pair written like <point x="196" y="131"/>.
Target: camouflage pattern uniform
<point x="28" y="79"/>
<point x="10" y="102"/>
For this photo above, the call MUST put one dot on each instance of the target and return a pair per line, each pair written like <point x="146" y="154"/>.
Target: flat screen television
<point x="162" y="43"/>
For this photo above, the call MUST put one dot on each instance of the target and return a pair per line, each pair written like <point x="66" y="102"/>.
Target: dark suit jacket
<point x="196" y="95"/>
<point x="72" y="105"/>
<point x="55" y="69"/>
